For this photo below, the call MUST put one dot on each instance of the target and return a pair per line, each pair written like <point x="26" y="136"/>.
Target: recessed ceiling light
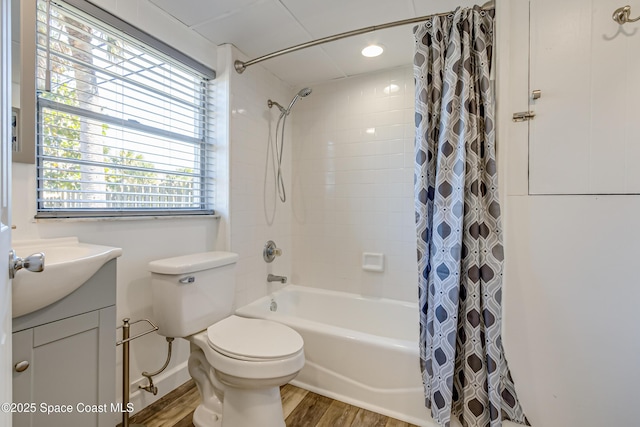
<point x="372" y="50"/>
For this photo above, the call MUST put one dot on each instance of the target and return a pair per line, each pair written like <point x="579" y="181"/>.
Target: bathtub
<point x="359" y="350"/>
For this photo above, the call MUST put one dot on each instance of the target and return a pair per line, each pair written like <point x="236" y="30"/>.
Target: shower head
<point x="301" y="94"/>
<point x="304" y="92"/>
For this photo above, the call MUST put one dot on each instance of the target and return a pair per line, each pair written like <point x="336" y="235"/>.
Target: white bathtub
<point x="363" y="351"/>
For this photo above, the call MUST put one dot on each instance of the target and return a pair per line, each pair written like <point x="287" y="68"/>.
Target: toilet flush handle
<point x="187" y="280"/>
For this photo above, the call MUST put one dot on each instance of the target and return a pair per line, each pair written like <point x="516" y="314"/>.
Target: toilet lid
<point x="253" y="339"/>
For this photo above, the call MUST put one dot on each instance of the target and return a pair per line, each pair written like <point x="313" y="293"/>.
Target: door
<point x="584" y="135"/>
<point x="5" y="209"/>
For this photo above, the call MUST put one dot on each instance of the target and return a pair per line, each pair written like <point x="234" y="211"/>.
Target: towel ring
<point x="622" y="15"/>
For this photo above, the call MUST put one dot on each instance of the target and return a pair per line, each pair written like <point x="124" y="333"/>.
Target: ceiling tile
<point x="330" y="17"/>
<point x="398" y="45"/>
<point x="261" y="29"/>
<point x="303" y="67"/>
<point x="194" y="12"/>
<point x="428" y="7"/>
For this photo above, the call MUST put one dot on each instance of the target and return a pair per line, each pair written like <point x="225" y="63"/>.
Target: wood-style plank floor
<point x="301" y="408"/>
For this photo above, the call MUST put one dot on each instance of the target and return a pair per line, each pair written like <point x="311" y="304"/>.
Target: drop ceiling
<point x="259" y="27"/>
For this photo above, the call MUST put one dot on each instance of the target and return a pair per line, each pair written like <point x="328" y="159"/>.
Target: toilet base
<point x="203" y="417"/>
<point x="252" y="407"/>
<point x="243" y="407"/>
<point x="207" y="414"/>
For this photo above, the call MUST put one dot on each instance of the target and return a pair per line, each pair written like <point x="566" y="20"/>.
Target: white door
<point x="5" y="209"/>
<point x="584" y="135"/>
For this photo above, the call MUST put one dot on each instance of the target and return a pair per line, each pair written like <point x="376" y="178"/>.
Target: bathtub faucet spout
<point x="274" y="278"/>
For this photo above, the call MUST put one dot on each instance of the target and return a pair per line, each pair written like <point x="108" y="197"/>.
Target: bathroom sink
<point x="68" y="264"/>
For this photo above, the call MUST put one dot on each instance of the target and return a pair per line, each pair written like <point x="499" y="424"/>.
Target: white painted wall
<point x="585" y="139"/>
<point x="571" y="288"/>
<point x="353" y="184"/>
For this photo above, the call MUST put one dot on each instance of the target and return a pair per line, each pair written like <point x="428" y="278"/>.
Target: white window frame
<point x="202" y="140"/>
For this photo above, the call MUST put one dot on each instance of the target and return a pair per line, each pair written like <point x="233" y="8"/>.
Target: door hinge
<point x="523" y="116"/>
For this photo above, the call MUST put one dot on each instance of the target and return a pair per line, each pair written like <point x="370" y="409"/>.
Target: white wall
<point x="587" y="65"/>
<point x="141" y="240"/>
<point x="571" y="287"/>
<point x="353" y="184"/>
<point x="258" y="216"/>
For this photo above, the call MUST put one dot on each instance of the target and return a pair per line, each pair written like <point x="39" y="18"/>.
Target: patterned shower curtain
<point x="460" y="250"/>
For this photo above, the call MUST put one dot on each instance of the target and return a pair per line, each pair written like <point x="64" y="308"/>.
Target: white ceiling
<point x="259" y="27"/>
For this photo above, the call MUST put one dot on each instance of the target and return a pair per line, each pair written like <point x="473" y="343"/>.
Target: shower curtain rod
<point x="240" y="66"/>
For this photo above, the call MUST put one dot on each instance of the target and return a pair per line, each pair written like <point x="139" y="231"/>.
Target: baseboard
<point x="166" y="382"/>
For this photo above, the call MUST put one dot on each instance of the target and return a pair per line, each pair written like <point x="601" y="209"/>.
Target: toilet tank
<point x="190" y="293"/>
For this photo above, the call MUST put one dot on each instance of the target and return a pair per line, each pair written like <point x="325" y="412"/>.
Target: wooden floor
<point x="301" y="408"/>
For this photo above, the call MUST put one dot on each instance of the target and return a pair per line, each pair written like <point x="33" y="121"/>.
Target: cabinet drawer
<point x="64" y="328"/>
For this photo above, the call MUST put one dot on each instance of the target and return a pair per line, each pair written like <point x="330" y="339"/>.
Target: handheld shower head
<point x="301" y="94"/>
<point x="304" y="92"/>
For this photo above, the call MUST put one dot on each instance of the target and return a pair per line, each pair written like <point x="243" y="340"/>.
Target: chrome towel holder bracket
<point x="126" y="339"/>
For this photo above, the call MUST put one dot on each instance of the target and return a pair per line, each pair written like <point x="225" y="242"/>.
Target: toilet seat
<point x="257" y="340"/>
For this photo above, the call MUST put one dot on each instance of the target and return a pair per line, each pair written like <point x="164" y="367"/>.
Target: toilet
<point x="238" y="364"/>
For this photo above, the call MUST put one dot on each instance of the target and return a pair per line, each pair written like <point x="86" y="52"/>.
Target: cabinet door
<point x="72" y="365"/>
<point x="584" y="138"/>
<point x="22" y="352"/>
<point x="65" y="364"/>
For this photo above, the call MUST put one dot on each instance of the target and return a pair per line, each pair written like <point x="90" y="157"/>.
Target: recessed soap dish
<point x="373" y="262"/>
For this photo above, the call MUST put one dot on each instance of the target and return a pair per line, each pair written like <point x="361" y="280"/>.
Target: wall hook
<point x="622" y="15"/>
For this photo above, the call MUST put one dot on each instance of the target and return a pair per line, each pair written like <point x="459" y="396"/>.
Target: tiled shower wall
<point x="352" y="151"/>
<point x="255" y="217"/>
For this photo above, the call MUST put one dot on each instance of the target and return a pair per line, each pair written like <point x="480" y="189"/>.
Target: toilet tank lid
<point x="192" y="263"/>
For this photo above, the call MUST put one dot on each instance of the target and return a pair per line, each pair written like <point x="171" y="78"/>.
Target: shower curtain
<point x="460" y="251"/>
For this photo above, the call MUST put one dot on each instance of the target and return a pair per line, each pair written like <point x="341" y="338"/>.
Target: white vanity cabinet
<point x="64" y="358"/>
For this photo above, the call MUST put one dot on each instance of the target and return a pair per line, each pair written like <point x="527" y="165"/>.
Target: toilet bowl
<point x="238" y="364"/>
<point x="251" y="359"/>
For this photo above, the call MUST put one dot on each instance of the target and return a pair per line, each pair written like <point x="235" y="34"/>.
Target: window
<point x="123" y="128"/>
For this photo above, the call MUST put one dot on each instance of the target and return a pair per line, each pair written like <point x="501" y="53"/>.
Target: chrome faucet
<point x="274" y="278"/>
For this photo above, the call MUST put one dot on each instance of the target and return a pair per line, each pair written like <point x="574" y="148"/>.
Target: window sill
<point x="125" y="218"/>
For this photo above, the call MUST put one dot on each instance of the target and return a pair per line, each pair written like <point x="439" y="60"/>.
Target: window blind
<point x="123" y="129"/>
